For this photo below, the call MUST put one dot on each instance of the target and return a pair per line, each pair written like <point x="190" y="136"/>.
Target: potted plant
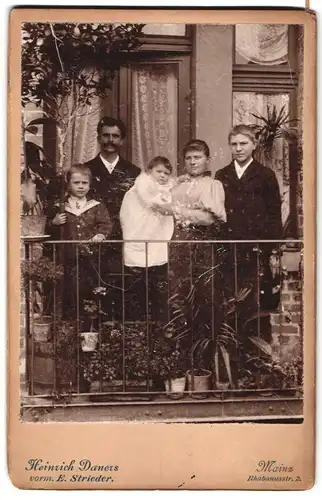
<point x="89" y="338"/>
<point x="123" y="360"/>
<point x="199" y="380"/>
<point x="270" y="374"/>
<point x="40" y="272"/>
<point x="37" y="171"/>
<point x="209" y="353"/>
<point x="291" y="258"/>
<point x="277" y="125"/>
<point x="170" y="363"/>
<point x="54" y="363"/>
<point x="293" y="375"/>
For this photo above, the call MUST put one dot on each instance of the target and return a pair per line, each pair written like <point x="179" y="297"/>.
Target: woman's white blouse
<point x="200" y="193"/>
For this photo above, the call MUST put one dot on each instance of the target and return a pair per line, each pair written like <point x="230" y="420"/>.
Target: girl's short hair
<point x="160" y="160"/>
<point x="197" y="145"/>
<point x="244" y="130"/>
<point x="79" y="168"/>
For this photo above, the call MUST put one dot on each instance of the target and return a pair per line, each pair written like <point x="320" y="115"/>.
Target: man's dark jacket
<point x="111" y="188"/>
<point x="253" y="202"/>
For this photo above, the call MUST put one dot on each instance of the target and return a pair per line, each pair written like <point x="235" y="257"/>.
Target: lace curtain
<point x="81" y="141"/>
<point x="262" y="43"/>
<point x="154" y="114"/>
<point x="246" y="103"/>
<point x="80" y="144"/>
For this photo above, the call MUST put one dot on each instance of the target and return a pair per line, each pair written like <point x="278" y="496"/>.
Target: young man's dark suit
<point x="111" y="188"/>
<point x="253" y="203"/>
<point x="253" y="207"/>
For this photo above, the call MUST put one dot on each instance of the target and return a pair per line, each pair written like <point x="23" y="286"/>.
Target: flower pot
<point x="175" y="387"/>
<point x="222" y="386"/>
<point x="198" y="382"/>
<point x="48" y="373"/>
<point x="89" y="341"/>
<point x="42" y="328"/>
<point x="33" y="225"/>
<point x="291" y="260"/>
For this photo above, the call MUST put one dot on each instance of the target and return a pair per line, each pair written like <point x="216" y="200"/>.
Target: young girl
<point x="83" y="219"/>
<point x="146" y="215"/>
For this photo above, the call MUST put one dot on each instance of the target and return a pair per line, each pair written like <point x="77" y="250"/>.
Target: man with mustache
<point x="112" y="175"/>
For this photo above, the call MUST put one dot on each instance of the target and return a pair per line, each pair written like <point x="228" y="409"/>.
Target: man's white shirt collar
<point x="241" y="170"/>
<point x="110" y="166"/>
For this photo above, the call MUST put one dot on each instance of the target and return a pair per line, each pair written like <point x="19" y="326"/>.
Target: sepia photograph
<point x="161" y="222"/>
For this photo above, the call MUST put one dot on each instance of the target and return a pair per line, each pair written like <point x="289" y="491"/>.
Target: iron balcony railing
<point x="97" y="331"/>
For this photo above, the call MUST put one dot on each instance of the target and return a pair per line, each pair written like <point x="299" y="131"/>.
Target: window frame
<point x="276" y="79"/>
<point x="183" y="62"/>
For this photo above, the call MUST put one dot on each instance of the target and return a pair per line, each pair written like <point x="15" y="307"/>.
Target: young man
<point x="253" y="207"/>
<point x="252" y="196"/>
<point x="112" y="175"/>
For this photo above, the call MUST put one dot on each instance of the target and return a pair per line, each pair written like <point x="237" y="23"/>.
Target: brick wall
<point x="287" y="334"/>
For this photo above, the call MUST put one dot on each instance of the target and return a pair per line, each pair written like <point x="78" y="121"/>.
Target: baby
<point x="146" y="215"/>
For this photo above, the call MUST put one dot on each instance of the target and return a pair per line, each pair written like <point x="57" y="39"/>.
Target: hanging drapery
<point x="79" y="124"/>
<point x="262" y="43"/>
<point x="154" y="114"/>
<point x="246" y="103"/>
<point x="85" y="133"/>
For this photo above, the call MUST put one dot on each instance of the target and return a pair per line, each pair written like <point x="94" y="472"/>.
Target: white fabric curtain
<point x="246" y="103"/>
<point x="80" y="144"/>
<point x="154" y="114"/>
<point x="262" y="43"/>
<point x="85" y="133"/>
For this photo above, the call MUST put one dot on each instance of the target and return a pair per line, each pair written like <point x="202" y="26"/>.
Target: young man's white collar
<point x="110" y="166"/>
<point x="241" y="170"/>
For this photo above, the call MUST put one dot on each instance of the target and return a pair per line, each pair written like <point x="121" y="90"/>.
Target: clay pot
<point x="89" y="341"/>
<point x="175" y="387"/>
<point x="33" y="225"/>
<point x="42" y="328"/>
<point x="198" y="382"/>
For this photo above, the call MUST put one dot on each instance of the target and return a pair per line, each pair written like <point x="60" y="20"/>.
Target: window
<point x="265" y="81"/>
<point x="261" y="44"/>
<point x="154" y="103"/>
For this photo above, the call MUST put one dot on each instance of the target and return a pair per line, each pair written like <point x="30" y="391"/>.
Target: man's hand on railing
<point x="98" y="238"/>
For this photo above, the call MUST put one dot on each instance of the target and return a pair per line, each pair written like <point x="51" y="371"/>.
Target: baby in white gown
<point x="146" y="215"/>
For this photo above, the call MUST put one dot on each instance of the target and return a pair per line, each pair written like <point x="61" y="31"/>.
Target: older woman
<point x="198" y="200"/>
<point x="198" y="207"/>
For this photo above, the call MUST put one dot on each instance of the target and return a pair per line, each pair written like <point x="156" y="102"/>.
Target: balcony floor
<point x="254" y="408"/>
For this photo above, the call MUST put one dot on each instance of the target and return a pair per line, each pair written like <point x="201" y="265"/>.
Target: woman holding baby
<point x="161" y="207"/>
